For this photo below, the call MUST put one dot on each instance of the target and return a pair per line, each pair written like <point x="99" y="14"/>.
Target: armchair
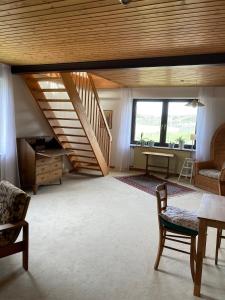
<point x="13" y="208"/>
<point x="210" y="175"/>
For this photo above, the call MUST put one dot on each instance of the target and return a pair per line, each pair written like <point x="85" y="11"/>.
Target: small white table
<point x="159" y="154"/>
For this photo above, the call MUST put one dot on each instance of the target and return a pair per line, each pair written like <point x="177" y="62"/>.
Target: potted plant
<point x="171" y="144"/>
<point x="142" y="141"/>
<point x="151" y="143"/>
<point x="181" y="142"/>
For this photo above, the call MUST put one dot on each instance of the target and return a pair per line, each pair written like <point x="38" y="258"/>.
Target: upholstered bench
<point x="209" y="177"/>
<point x="211" y="173"/>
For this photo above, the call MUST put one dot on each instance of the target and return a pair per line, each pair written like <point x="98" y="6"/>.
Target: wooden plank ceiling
<point x="48" y="31"/>
<point x="102" y="83"/>
<point x="64" y="31"/>
<point x="204" y="75"/>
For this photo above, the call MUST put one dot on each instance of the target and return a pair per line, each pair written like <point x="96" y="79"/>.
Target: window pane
<point x="148" y="121"/>
<point x="181" y="122"/>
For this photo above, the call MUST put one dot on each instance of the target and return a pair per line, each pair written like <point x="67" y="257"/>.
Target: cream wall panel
<point x="139" y="159"/>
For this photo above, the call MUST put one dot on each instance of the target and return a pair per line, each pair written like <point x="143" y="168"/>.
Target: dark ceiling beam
<point x="183" y="60"/>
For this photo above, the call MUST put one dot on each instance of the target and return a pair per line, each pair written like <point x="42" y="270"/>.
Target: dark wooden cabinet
<point x="40" y="161"/>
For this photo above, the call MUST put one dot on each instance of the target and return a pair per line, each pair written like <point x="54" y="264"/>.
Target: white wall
<point x="29" y="119"/>
<point x="210" y="117"/>
<point x="109" y="100"/>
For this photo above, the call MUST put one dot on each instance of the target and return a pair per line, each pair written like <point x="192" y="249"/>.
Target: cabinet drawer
<point x="47" y="161"/>
<point x="48" y="168"/>
<point x="48" y="177"/>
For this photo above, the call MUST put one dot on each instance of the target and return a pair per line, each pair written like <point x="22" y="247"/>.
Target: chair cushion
<point x="13" y="208"/>
<point x="212" y="173"/>
<point x="181" y="217"/>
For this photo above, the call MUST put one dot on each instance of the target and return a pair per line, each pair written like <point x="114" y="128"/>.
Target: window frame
<point x="164" y="118"/>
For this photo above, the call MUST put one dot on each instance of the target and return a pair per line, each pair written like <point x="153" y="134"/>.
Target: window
<point x="148" y="120"/>
<point x="163" y="121"/>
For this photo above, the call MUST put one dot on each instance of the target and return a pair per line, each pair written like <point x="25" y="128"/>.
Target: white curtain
<point x="122" y="157"/>
<point x="209" y="118"/>
<point x="8" y="151"/>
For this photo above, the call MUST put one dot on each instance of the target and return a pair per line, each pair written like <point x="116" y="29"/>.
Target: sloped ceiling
<point x="204" y="75"/>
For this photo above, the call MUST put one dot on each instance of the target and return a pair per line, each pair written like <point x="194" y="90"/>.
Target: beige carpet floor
<point x="96" y="239"/>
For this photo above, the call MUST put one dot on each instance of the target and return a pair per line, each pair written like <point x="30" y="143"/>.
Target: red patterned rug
<point x="149" y="183"/>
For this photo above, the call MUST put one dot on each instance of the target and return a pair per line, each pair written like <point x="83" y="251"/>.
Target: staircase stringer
<point x="81" y="113"/>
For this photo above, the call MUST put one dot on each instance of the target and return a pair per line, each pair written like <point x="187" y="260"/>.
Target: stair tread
<point x="68" y="127"/>
<point x="56" y="109"/>
<point x="77" y="149"/>
<point x="53" y="100"/>
<point x="83" y="156"/>
<point x="43" y="78"/>
<point x="64" y="134"/>
<point x="66" y="119"/>
<point x="81" y="143"/>
<point x="86" y="162"/>
<point x="89" y="168"/>
<point x="75" y="135"/>
<point x="74" y="142"/>
<point x="49" y="90"/>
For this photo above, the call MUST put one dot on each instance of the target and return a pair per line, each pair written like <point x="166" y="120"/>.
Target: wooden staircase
<point x="70" y="104"/>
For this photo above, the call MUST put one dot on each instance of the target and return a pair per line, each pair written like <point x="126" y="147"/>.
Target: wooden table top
<point x="54" y="152"/>
<point x="212" y="207"/>
<point x="158" y="154"/>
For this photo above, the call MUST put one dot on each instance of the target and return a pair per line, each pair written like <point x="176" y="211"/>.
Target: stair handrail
<point x="99" y="106"/>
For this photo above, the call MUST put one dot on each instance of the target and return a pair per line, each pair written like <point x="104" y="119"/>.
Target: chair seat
<point x="180" y="220"/>
<point x="211" y="173"/>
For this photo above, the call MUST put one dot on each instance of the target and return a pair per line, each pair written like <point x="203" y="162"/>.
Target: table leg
<point x="146" y="167"/>
<point x="200" y="255"/>
<point x="206" y="234"/>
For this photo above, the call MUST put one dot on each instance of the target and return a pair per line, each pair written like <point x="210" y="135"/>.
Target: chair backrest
<point x="13" y="208"/>
<point x="161" y="195"/>
<point x="217" y="148"/>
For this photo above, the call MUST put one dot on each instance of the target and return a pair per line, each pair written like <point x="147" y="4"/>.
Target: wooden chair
<point x="13" y="208"/>
<point x="210" y="175"/>
<point x="181" y="223"/>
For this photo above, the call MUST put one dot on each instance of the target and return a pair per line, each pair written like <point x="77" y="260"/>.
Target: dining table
<point x="211" y="213"/>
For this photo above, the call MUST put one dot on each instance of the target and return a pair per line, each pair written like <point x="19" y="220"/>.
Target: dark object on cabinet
<point x="40" y="161"/>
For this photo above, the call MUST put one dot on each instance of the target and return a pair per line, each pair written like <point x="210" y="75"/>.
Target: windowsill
<point x="160" y="147"/>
